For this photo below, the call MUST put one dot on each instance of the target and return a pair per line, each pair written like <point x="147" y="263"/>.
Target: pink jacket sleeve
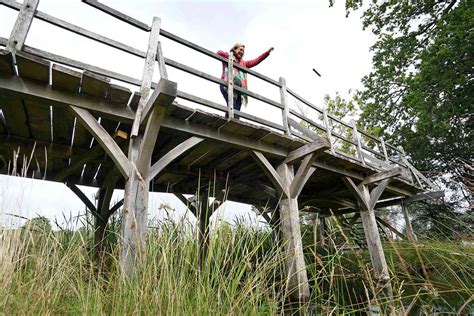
<point x="256" y="61"/>
<point x="223" y="54"/>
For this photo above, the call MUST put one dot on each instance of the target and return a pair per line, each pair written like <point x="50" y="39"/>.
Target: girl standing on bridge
<point x="240" y="77"/>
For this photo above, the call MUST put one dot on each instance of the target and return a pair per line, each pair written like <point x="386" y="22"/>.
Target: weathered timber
<point x="94" y="84"/>
<point x="45" y="94"/>
<point x="286" y="108"/>
<point x="106" y="141"/>
<point x="32" y="67"/>
<point x="6" y="63"/>
<point x="147" y="73"/>
<point x="317" y="145"/>
<point x="13" y="108"/>
<point x="22" y="25"/>
<point x="172" y="155"/>
<point x="297" y="278"/>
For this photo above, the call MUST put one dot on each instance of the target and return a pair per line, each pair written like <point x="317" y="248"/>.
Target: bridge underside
<point x="37" y="125"/>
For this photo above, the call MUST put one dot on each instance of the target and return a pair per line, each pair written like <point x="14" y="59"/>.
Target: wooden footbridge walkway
<point x="76" y="127"/>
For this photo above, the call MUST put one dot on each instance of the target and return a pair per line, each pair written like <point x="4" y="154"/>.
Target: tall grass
<point x="54" y="273"/>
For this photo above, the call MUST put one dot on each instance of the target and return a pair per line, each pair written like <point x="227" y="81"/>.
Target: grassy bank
<point x="54" y="273"/>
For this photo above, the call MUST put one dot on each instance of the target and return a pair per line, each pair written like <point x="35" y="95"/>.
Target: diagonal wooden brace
<point x="271" y="173"/>
<point x="104" y="139"/>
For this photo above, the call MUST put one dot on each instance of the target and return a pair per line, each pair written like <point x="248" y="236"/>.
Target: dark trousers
<point x="237" y="98"/>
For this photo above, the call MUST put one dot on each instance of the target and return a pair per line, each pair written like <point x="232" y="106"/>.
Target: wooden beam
<point x="271" y="173"/>
<point x="382" y="176"/>
<point x="148" y="141"/>
<point x="316" y="146"/>
<point x="424" y="196"/>
<point x="80" y="160"/>
<point x="362" y="198"/>
<point x="296" y="275"/>
<point x="188" y="203"/>
<point x="116" y="206"/>
<point x="22" y="25"/>
<point x="40" y="93"/>
<point x="172" y="155"/>
<point x="163" y="95"/>
<point x="377" y="192"/>
<point x="390" y="227"/>
<point x="74" y="188"/>
<point x="104" y="139"/>
<point x="147" y="73"/>
<point x="226" y="137"/>
<point x="305" y="170"/>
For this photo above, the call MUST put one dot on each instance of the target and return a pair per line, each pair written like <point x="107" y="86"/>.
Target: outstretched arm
<point x="258" y="60"/>
<point x="223" y="54"/>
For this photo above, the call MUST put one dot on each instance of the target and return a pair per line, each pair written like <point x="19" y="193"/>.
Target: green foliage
<point x="242" y="274"/>
<point x="38" y="224"/>
<point x="421" y="89"/>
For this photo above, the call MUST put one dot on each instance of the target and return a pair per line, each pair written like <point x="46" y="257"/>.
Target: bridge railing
<point x="346" y="139"/>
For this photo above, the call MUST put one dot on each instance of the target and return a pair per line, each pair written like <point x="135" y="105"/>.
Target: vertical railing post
<point x="22" y="25"/>
<point x="284" y="102"/>
<point x="230" y="86"/>
<point x="384" y="149"/>
<point x="356" y="138"/>
<point x="328" y="129"/>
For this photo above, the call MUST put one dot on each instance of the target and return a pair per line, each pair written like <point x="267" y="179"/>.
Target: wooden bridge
<point x="63" y="120"/>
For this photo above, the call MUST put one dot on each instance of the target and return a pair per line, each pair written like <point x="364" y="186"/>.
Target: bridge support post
<point x="410" y="233"/>
<point x="367" y="200"/>
<point x="289" y="184"/>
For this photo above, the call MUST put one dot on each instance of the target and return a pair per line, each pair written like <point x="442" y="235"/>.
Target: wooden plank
<point x="15" y="116"/>
<point x="94" y="84"/>
<point x="321" y="144"/>
<point x="6" y="63"/>
<point x="14" y="86"/>
<point x="39" y="120"/>
<point x="80" y="65"/>
<point x="22" y="25"/>
<point x="356" y="137"/>
<point x="118" y="95"/>
<point x="32" y="67"/>
<point x="65" y="79"/>
<point x="106" y="141"/>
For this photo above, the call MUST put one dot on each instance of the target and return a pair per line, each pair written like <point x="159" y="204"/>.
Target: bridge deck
<point x="34" y="105"/>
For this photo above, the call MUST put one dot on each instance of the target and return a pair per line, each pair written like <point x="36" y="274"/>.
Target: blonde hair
<point x="237" y="45"/>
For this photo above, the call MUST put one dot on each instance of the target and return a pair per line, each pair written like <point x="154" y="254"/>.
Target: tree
<point x="421" y="89"/>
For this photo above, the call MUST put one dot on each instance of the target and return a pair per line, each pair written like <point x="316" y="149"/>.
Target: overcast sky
<point x="306" y="34"/>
